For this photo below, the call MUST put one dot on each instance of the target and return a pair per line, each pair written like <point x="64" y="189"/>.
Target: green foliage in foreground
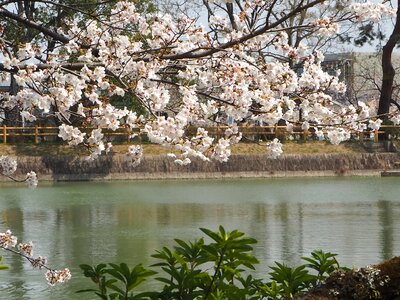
<point x="210" y="270"/>
<point x="2" y="267"/>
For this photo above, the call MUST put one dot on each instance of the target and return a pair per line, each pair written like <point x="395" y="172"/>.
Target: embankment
<point x="160" y="167"/>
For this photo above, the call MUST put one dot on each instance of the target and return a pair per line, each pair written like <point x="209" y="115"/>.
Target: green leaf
<point x="116" y="274"/>
<point x="211" y="234"/>
<point x="116" y="288"/>
<point x="86" y="290"/>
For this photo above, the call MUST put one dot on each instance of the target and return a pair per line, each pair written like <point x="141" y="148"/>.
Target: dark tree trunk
<point x="388" y="71"/>
<point x="12" y="115"/>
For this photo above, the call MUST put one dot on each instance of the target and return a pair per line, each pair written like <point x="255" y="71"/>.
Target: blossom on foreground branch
<point x="177" y="74"/>
<point x="8" y="166"/>
<point x="9" y="242"/>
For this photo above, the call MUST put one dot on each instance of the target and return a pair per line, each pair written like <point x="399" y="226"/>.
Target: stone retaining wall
<point x="114" y="167"/>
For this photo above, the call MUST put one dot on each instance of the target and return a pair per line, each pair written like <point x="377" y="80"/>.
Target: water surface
<point x="74" y="223"/>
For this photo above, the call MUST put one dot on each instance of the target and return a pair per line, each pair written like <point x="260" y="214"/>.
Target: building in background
<point x="362" y="73"/>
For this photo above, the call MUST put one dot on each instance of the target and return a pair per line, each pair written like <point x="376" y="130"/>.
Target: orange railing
<point x="41" y="132"/>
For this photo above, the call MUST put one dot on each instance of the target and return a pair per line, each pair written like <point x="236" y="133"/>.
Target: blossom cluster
<point x="134" y="156"/>
<point x="338" y="135"/>
<point x="9" y="242"/>
<point x="8" y="166"/>
<point x="58" y="276"/>
<point x="31" y="179"/>
<point x="326" y="26"/>
<point x="274" y="148"/>
<point x="182" y="75"/>
<point x="371" y="11"/>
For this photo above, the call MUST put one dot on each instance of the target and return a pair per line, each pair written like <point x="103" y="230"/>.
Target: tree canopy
<point x="76" y="58"/>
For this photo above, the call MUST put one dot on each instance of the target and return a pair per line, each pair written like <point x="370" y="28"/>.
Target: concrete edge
<point x="211" y="175"/>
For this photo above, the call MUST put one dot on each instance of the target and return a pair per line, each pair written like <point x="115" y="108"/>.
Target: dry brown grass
<point x="314" y="147"/>
<point x="310" y="147"/>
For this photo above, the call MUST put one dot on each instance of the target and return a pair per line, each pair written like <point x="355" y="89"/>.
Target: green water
<point x="74" y="223"/>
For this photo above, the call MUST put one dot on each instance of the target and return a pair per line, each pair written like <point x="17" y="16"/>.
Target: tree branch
<point x="59" y="37"/>
<point x="195" y="54"/>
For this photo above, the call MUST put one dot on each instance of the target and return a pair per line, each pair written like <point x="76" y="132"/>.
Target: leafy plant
<point x="323" y="262"/>
<point x="210" y="268"/>
<point x="181" y="266"/>
<point x="186" y="266"/>
<point x="291" y="280"/>
<point x="271" y="290"/>
<point x="120" y="279"/>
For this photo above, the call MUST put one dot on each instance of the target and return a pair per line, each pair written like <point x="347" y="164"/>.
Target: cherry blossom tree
<point x="30" y="21"/>
<point x="182" y="74"/>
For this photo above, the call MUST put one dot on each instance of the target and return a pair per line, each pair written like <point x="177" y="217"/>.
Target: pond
<point x="93" y="222"/>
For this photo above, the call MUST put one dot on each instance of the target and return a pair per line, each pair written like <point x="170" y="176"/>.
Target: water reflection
<point x="95" y="222"/>
<point x="386" y="224"/>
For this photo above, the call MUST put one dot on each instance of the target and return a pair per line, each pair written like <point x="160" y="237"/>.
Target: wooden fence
<point x="46" y="133"/>
<point x="41" y="134"/>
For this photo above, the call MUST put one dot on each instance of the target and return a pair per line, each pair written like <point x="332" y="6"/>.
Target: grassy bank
<point x="310" y="147"/>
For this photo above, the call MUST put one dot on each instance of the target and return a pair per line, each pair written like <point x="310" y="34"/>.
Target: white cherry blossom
<point x="8" y="165"/>
<point x="375" y="124"/>
<point x="31" y="179"/>
<point x="134" y="156"/>
<point x="274" y="148"/>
